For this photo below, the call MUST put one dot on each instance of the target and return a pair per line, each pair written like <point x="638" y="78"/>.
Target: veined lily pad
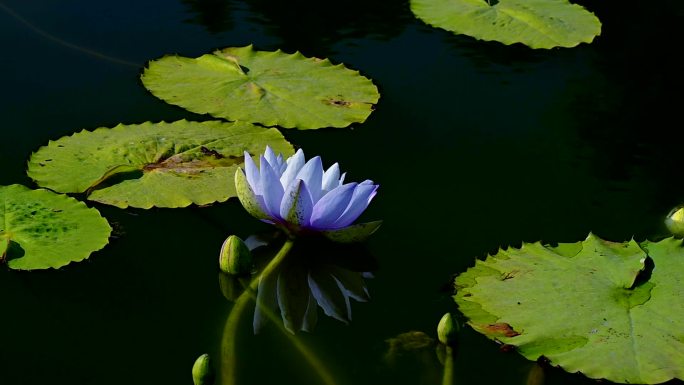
<point x="271" y="88"/>
<point x="535" y="23"/>
<point x="40" y="229"/>
<point x="152" y="164"/>
<point x="608" y="310"/>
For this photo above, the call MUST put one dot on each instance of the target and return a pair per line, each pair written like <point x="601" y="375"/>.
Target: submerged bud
<point x="232" y="286"/>
<point x="202" y="373"/>
<point x="235" y="257"/>
<point x="675" y="221"/>
<point x="447" y="330"/>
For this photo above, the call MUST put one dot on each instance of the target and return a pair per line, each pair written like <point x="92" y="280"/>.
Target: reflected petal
<point x="311" y="316"/>
<point x="351" y="283"/>
<point x="293" y="297"/>
<point x="327" y="292"/>
<point x="266" y="300"/>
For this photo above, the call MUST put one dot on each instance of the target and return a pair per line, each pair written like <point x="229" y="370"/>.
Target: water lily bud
<point x="202" y="373"/>
<point x="447" y="330"/>
<point x="675" y="221"/>
<point x="235" y="257"/>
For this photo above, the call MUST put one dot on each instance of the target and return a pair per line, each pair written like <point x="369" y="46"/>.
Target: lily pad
<point x="535" y="23"/>
<point x="152" y="164"/>
<point x="608" y="310"/>
<point x="270" y="88"/>
<point x="40" y="229"/>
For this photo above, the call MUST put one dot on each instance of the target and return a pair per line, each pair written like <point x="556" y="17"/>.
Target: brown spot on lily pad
<point x="500" y="329"/>
<point x="338" y="102"/>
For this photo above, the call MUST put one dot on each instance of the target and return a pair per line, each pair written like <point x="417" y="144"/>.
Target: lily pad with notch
<point x="608" y="310"/>
<point x="152" y="164"/>
<point x="40" y="229"/>
<point x="535" y="23"/>
<point x="267" y="87"/>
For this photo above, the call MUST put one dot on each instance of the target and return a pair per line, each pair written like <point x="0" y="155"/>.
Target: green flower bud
<point x="202" y="373"/>
<point x="447" y="330"/>
<point x="235" y="257"/>
<point x="675" y="221"/>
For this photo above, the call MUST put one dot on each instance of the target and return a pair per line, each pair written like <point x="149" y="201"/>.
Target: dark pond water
<point x="475" y="145"/>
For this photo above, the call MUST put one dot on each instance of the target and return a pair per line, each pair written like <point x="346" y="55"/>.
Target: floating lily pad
<point x="535" y="23"/>
<point x="153" y="164"/>
<point x="40" y="229"/>
<point x="271" y="88"/>
<point x="608" y="310"/>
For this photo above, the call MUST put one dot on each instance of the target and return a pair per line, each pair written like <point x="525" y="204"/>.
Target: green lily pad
<point x="270" y="88"/>
<point x="153" y="164"/>
<point x="535" y="23"/>
<point x="608" y="310"/>
<point x="40" y="229"/>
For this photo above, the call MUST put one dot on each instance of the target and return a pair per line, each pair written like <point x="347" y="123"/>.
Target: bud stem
<point x="448" y="376"/>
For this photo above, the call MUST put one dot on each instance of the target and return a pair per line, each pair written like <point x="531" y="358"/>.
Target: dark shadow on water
<point x="309" y="25"/>
<point x="214" y="15"/>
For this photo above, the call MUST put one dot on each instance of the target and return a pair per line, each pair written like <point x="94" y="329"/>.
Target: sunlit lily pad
<point x="535" y="23"/>
<point x="40" y="229"/>
<point x="152" y="164"/>
<point x="608" y="310"/>
<point x="270" y="88"/>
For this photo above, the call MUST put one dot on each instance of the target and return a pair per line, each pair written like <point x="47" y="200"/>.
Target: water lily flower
<point x="299" y="197"/>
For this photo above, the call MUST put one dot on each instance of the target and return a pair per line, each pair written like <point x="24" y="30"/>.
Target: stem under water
<point x="228" y="347"/>
<point x="62" y="42"/>
<point x="448" y="377"/>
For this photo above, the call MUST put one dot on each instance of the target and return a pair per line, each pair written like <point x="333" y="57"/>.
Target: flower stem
<point x="308" y="355"/>
<point x="448" y="377"/>
<point x="228" y="350"/>
<point x="228" y="346"/>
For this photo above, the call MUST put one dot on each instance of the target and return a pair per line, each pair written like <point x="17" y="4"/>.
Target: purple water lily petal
<point x="252" y="174"/>
<point x="331" y="177"/>
<point x="271" y="158"/>
<point x="294" y="165"/>
<point x="312" y="175"/>
<point x="281" y="164"/>
<point x="363" y="193"/>
<point x="294" y="191"/>
<point x="297" y="205"/>
<point x="329" y="208"/>
<point x="272" y="190"/>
